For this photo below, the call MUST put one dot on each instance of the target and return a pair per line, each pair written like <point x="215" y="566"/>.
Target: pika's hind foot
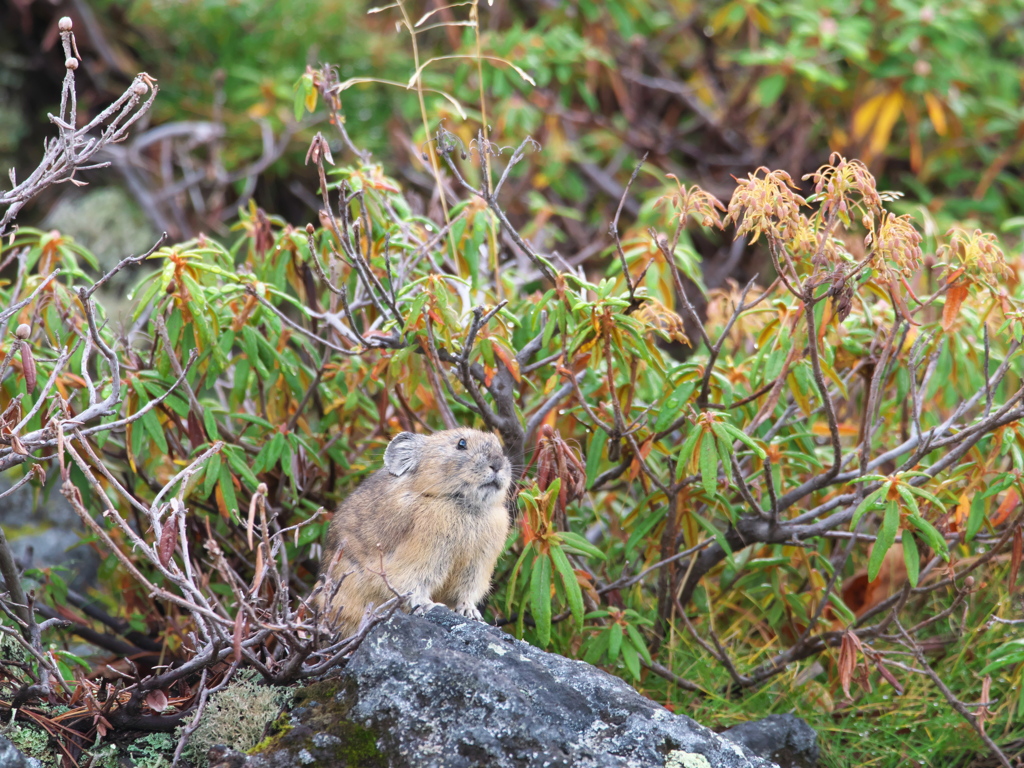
<point x="469" y="611"/>
<point x="419" y="605"/>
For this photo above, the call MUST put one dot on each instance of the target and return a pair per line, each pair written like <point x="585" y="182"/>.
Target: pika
<point x="432" y="522"/>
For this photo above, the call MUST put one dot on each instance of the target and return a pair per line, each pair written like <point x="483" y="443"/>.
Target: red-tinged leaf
<point x="954" y="298"/>
<point x="889" y="677"/>
<point x="239" y="634"/>
<point x="168" y="541"/>
<point x="156" y="700"/>
<point x="261" y="570"/>
<point x="901" y="305"/>
<point x="250" y="523"/>
<point x="1016" y="551"/>
<point x="195" y="428"/>
<point x="221" y="504"/>
<point x="28" y="366"/>
<point x="848" y="648"/>
<point x="1009" y="503"/>
<point x="510" y="362"/>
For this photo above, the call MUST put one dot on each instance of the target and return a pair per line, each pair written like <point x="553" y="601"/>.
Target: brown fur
<point x="433" y="521"/>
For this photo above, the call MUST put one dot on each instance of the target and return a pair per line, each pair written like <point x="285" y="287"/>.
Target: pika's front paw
<point x="469" y="611"/>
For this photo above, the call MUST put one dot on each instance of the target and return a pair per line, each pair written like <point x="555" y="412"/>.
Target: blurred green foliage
<point x="928" y="94"/>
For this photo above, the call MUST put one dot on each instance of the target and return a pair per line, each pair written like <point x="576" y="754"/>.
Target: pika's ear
<point x="403" y="453"/>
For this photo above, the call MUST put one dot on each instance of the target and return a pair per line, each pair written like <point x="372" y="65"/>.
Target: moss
<point x="236" y="716"/>
<point x="33" y="741"/>
<point x="358" y="747"/>
<point x="278" y="728"/>
<point x="329" y="703"/>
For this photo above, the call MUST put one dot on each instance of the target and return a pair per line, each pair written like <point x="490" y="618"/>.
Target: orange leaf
<point x="222" y="505"/>
<point x="954" y="275"/>
<point x="510" y="362"/>
<point x="1010" y="502"/>
<point x="954" y="298"/>
<point x="846" y="429"/>
<point x="963" y="511"/>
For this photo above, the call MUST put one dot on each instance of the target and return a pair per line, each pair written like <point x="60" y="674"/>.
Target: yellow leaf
<point x="888" y="111"/>
<point x="311" y="95"/>
<point x="936" y="113"/>
<point x="963" y="511"/>
<point x="866" y="116"/>
<point x="798" y="394"/>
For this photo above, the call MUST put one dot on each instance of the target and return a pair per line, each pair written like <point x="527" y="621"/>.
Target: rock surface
<point x="786" y="739"/>
<point x="12" y="757"/>
<point x="43" y="530"/>
<point x="443" y="691"/>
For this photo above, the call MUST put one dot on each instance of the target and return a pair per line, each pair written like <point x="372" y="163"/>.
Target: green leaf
<point x="516" y="570"/>
<point x="597" y="648"/>
<point x="911" y="558"/>
<point x="234" y="457"/>
<point x="594" y="452"/>
<point x="614" y="643"/>
<point x="573" y="593"/>
<point x="709" y="464"/>
<point x="868" y="503"/>
<point x="212" y="474"/>
<point x="540" y="599"/>
<point x="210" y="422"/>
<point x="844" y="611"/>
<point x="672" y="408"/>
<point x="908" y="497"/>
<point x="743" y="437"/>
<point x="886" y="537"/>
<point x="574" y="541"/>
<point x="632" y="659"/>
<point x="227" y="488"/>
<point x="976" y="517"/>
<point x="931" y="535"/>
<point x="686" y="452"/>
<point x="927" y="495"/>
<point x="637" y="641"/>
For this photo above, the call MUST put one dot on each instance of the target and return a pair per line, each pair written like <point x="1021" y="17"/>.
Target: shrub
<point x="852" y="418"/>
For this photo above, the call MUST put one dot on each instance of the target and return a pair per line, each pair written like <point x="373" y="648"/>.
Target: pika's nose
<point x="497" y="462"/>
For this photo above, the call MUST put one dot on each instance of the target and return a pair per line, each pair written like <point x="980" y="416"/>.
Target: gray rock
<point x="106" y="220"/>
<point x="43" y="530"/>
<point x="786" y="739"/>
<point x="443" y="691"/>
<point x="12" y="757"/>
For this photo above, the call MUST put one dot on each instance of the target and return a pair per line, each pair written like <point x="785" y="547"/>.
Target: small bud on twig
<point x="71" y="63"/>
<point x="22" y="331"/>
<point x="64" y="25"/>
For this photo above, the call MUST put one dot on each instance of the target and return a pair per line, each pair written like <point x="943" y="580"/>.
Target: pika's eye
<point x="462" y="444"/>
